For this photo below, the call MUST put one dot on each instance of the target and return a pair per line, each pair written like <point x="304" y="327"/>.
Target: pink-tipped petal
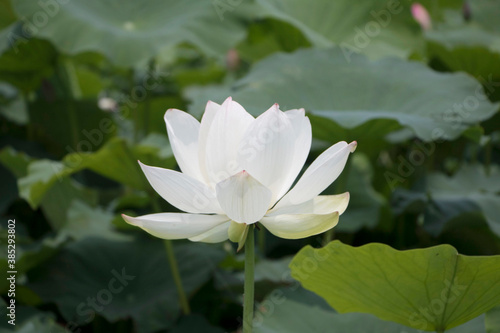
<point x="320" y="174"/>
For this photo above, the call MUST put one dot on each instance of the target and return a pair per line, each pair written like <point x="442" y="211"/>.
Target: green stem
<point x="248" y="291"/>
<point x="328" y="237"/>
<point x="177" y="277"/>
<point x="72" y="79"/>
<point x="169" y="247"/>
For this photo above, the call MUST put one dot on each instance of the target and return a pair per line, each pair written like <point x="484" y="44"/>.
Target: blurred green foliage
<point x="83" y="89"/>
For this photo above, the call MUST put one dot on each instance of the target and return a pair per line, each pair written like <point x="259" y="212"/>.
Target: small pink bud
<point x="421" y="15"/>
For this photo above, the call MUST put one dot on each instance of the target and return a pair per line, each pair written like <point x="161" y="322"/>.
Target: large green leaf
<point x="375" y="27"/>
<point x="486" y="13"/>
<point x="365" y="202"/>
<point x="29" y="255"/>
<point x="44" y="180"/>
<point x="7" y="24"/>
<point x="129" y="32"/>
<point x="470" y="234"/>
<point x="476" y="60"/>
<point x="26" y="62"/>
<point x="429" y="289"/>
<point x="86" y="221"/>
<point x="66" y="126"/>
<point x="280" y="314"/>
<point x="116" y="160"/>
<point x="384" y="93"/>
<point x="269" y="36"/>
<point x="470" y="183"/>
<point x="12" y="105"/>
<point x="465" y="35"/>
<point x="195" y="323"/>
<point x="58" y="199"/>
<point x="472" y="46"/>
<point x="469" y="49"/>
<point x="123" y="279"/>
<point x="6" y="37"/>
<point x="7" y="15"/>
<point x="493" y="320"/>
<point x="52" y="191"/>
<point x="17" y="163"/>
<point x="456" y="221"/>
<point x="269" y="273"/>
<point x="35" y="322"/>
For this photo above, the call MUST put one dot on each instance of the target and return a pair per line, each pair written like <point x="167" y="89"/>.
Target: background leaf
<point x="429" y="289"/>
<point x="148" y="295"/>
<point x="358" y="97"/>
<point x="129" y="33"/>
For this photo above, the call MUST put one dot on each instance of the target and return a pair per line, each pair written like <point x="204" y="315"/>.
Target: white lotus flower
<point x="238" y="170"/>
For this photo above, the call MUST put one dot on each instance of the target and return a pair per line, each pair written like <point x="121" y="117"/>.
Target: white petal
<point x="215" y="235"/>
<point x="267" y="150"/>
<point x="243" y="198"/>
<point x="226" y="130"/>
<point x="183" y="130"/>
<point x="320" y="174"/>
<point x="206" y="122"/>
<point x="322" y="204"/>
<point x="301" y="225"/>
<point x="303" y="137"/>
<point x="176" y="225"/>
<point x="182" y="191"/>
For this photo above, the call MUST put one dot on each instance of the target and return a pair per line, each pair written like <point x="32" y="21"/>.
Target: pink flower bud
<point x="421" y="15"/>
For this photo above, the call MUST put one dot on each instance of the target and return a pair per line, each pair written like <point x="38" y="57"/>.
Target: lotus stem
<point x="169" y="247"/>
<point x="177" y="277"/>
<point x="248" y="292"/>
